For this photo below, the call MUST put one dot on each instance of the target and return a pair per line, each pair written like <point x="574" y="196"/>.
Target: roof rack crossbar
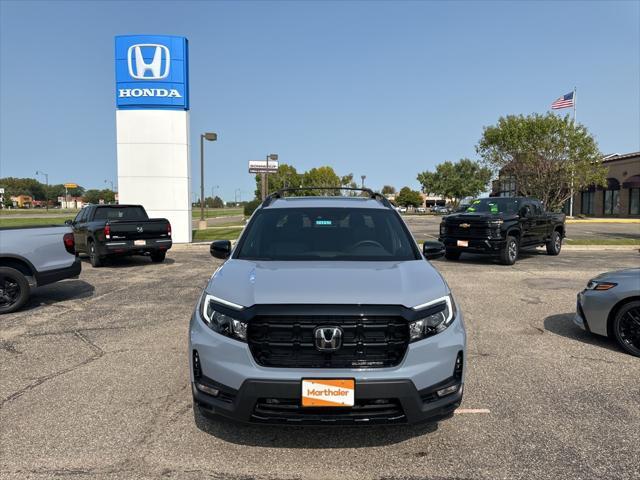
<point x="373" y="195"/>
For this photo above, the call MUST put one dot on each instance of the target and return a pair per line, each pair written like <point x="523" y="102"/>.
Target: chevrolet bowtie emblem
<point x="465" y="225"/>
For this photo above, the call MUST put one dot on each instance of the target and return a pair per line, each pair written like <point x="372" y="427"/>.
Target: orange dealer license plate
<point x="323" y="392"/>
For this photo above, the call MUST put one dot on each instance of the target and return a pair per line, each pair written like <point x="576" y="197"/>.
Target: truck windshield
<point x="120" y="213"/>
<point x="494" y="205"/>
<point x="364" y="234"/>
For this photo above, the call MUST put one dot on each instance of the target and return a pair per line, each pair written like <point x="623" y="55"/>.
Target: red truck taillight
<point x="69" y="243"/>
<point x="168" y="229"/>
<point x="107" y="232"/>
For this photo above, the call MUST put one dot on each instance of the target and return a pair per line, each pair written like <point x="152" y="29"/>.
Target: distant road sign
<point x="260" y="166"/>
<point x="70" y="185"/>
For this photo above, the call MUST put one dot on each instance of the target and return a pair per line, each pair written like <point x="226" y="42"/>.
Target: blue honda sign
<point x="152" y="72"/>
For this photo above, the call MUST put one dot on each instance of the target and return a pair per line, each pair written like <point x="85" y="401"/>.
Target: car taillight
<point x="107" y="231"/>
<point x="69" y="243"/>
<point x="168" y="229"/>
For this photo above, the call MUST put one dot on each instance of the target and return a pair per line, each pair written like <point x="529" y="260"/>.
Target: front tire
<point x="626" y="327"/>
<point x="554" y="244"/>
<point x="158" y="257"/>
<point x="14" y="290"/>
<point x="509" y="254"/>
<point x="452" y="254"/>
<point x="95" y="259"/>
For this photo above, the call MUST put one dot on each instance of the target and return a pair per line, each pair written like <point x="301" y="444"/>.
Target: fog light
<point x="208" y="390"/>
<point x="448" y="391"/>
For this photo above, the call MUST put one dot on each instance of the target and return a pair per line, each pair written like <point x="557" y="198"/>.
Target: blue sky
<point x="385" y="89"/>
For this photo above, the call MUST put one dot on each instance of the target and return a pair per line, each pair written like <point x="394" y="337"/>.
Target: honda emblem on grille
<point x="465" y="225"/>
<point x="328" y="339"/>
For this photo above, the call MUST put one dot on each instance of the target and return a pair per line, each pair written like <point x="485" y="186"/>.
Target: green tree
<point x="464" y="178"/>
<point x="23" y="186"/>
<point x="94" y="196"/>
<point x="217" y="202"/>
<point x="321" y="177"/>
<point x="388" y="190"/>
<point x="91" y="196"/>
<point x="286" y="177"/>
<point x="545" y="154"/>
<point x="408" y="197"/>
<point x="249" y="207"/>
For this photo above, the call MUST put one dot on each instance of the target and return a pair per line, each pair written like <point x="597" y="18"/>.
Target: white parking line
<point x="462" y="411"/>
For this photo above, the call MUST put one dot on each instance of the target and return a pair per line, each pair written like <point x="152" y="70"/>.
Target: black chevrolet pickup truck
<point x="502" y="226"/>
<point x="102" y="231"/>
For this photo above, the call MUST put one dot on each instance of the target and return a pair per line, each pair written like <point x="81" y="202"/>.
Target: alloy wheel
<point x="513" y="250"/>
<point x="629" y="328"/>
<point x="9" y="291"/>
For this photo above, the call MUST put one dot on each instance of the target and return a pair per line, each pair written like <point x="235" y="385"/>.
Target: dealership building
<point x="620" y="198"/>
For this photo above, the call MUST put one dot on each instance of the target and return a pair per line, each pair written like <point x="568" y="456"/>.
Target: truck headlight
<point x="440" y="314"/>
<point x="443" y="229"/>
<point x="221" y="322"/>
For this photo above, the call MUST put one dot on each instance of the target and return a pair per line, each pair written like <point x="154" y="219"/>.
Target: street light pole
<point x="46" y="192"/>
<point x="265" y="175"/>
<point x="363" y="177"/>
<point x="212" y="137"/>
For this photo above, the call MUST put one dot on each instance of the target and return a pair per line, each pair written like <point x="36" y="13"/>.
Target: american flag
<point x="563" y="102"/>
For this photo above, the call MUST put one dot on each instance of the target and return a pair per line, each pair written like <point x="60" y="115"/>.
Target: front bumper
<point x="128" y="247"/>
<point x="475" y="245"/>
<point x="406" y="392"/>
<point x="377" y="402"/>
<point x="593" y="308"/>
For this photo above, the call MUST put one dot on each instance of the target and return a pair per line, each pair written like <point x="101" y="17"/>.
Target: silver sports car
<point x="610" y="306"/>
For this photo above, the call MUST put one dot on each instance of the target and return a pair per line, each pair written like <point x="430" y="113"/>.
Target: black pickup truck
<point x="502" y="226"/>
<point x="102" y="231"/>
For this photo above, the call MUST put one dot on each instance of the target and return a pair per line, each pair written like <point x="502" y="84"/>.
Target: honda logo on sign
<point x="136" y="59"/>
<point x="328" y="339"/>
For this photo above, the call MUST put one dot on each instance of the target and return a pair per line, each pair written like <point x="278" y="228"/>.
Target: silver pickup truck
<point x="31" y="257"/>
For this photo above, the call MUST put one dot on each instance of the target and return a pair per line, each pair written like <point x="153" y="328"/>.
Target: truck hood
<point x="407" y="283"/>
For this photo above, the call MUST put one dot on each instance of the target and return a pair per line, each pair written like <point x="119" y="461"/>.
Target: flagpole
<point x="575" y="99"/>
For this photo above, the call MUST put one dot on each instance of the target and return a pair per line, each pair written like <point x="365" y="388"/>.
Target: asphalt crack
<point x="97" y="353"/>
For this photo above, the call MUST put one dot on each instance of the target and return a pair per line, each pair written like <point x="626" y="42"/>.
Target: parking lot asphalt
<point x="94" y="384"/>
<point x="427" y="227"/>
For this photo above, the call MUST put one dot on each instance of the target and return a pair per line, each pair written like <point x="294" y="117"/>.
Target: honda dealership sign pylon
<point x="152" y="123"/>
<point x="151" y="72"/>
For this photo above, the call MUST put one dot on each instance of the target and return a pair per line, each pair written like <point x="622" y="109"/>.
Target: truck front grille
<point x="288" y="341"/>
<point x="471" y="232"/>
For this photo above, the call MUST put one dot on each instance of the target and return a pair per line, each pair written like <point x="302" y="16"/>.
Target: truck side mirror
<point x="525" y="212"/>
<point x="220" y="249"/>
<point x="432" y="250"/>
<point x="68" y="222"/>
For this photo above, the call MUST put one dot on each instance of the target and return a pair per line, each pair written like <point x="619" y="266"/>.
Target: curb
<point x="604" y="220"/>
<point x="601" y="247"/>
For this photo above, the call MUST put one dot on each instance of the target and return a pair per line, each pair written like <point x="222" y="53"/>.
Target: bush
<point x="250" y="207"/>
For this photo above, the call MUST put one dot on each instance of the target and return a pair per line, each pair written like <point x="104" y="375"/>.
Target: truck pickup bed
<point x="31" y="257"/>
<point x="103" y="231"/>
